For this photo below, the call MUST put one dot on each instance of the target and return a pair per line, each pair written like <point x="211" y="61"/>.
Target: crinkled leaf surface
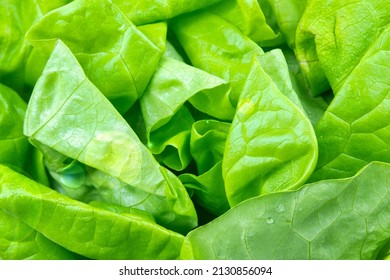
<point x="68" y="117"/>
<point x="271" y="145"/>
<point x="349" y="139"/>
<point x="334" y="219"/>
<point x="208" y="138"/>
<point x="92" y="232"/>
<point x="115" y="55"/>
<point x="333" y="36"/>
<point x="173" y="84"/>
<point x="171" y="142"/>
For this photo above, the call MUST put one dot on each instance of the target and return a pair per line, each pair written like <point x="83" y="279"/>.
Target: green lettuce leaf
<point x="171" y="143"/>
<point x="208" y="138"/>
<point x="209" y="189"/>
<point x="16" y="17"/>
<point x="88" y="231"/>
<point x="333" y="219"/>
<point x="348" y="139"/>
<point x="15" y="149"/>
<point x="70" y="121"/>
<point x="248" y="16"/>
<point x="275" y="65"/>
<point x="218" y="47"/>
<point x="314" y="106"/>
<point x="18" y="241"/>
<point x="117" y="57"/>
<point x="271" y="145"/>
<point x="148" y="11"/>
<point x="333" y="36"/>
<point x="287" y="14"/>
<point x="168" y="124"/>
<point x="14" y="145"/>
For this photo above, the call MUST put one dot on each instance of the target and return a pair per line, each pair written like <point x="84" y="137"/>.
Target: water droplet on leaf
<point x="280" y="208"/>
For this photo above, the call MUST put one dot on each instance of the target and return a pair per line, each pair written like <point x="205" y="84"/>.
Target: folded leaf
<point x="223" y="51"/>
<point x="70" y="120"/>
<point x="348" y="139"/>
<point x="287" y="14"/>
<point x="173" y="84"/>
<point x="334" y="219"/>
<point x="115" y="55"/>
<point x="275" y="65"/>
<point x="248" y="16"/>
<point x="148" y="11"/>
<point x="333" y="36"/>
<point x="208" y="138"/>
<point x="314" y="106"/>
<point x="209" y="189"/>
<point x="271" y="145"/>
<point x="91" y="232"/>
<point x="171" y="142"/>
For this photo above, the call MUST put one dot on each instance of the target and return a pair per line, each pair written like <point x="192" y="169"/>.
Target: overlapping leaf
<point x="335" y="219"/>
<point x="70" y="120"/>
<point x="271" y="145"/>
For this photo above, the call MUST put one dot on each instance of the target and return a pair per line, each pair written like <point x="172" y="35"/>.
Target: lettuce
<point x="146" y="129"/>
<point x="323" y="220"/>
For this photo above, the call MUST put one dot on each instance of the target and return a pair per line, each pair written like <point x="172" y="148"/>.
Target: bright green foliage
<point x="148" y="11"/>
<point x="287" y="14"/>
<point x="275" y="65"/>
<point x="168" y="122"/>
<point x="223" y="51"/>
<point x="82" y="228"/>
<point x="271" y="145"/>
<point x="341" y="132"/>
<point x="76" y="123"/>
<point x="14" y="146"/>
<point x="15" y="149"/>
<point x="334" y="35"/>
<point x="20" y="241"/>
<point x="193" y="129"/>
<point x="248" y="16"/>
<point x="339" y="219"/>
<point x="16" y="17"/>
<point x="108" y="40"/>
<point x="208" y="139"/>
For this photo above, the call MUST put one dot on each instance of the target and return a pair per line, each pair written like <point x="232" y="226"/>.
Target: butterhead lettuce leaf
<point x="108" y="40"/>
<point x="67" y="127"/>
